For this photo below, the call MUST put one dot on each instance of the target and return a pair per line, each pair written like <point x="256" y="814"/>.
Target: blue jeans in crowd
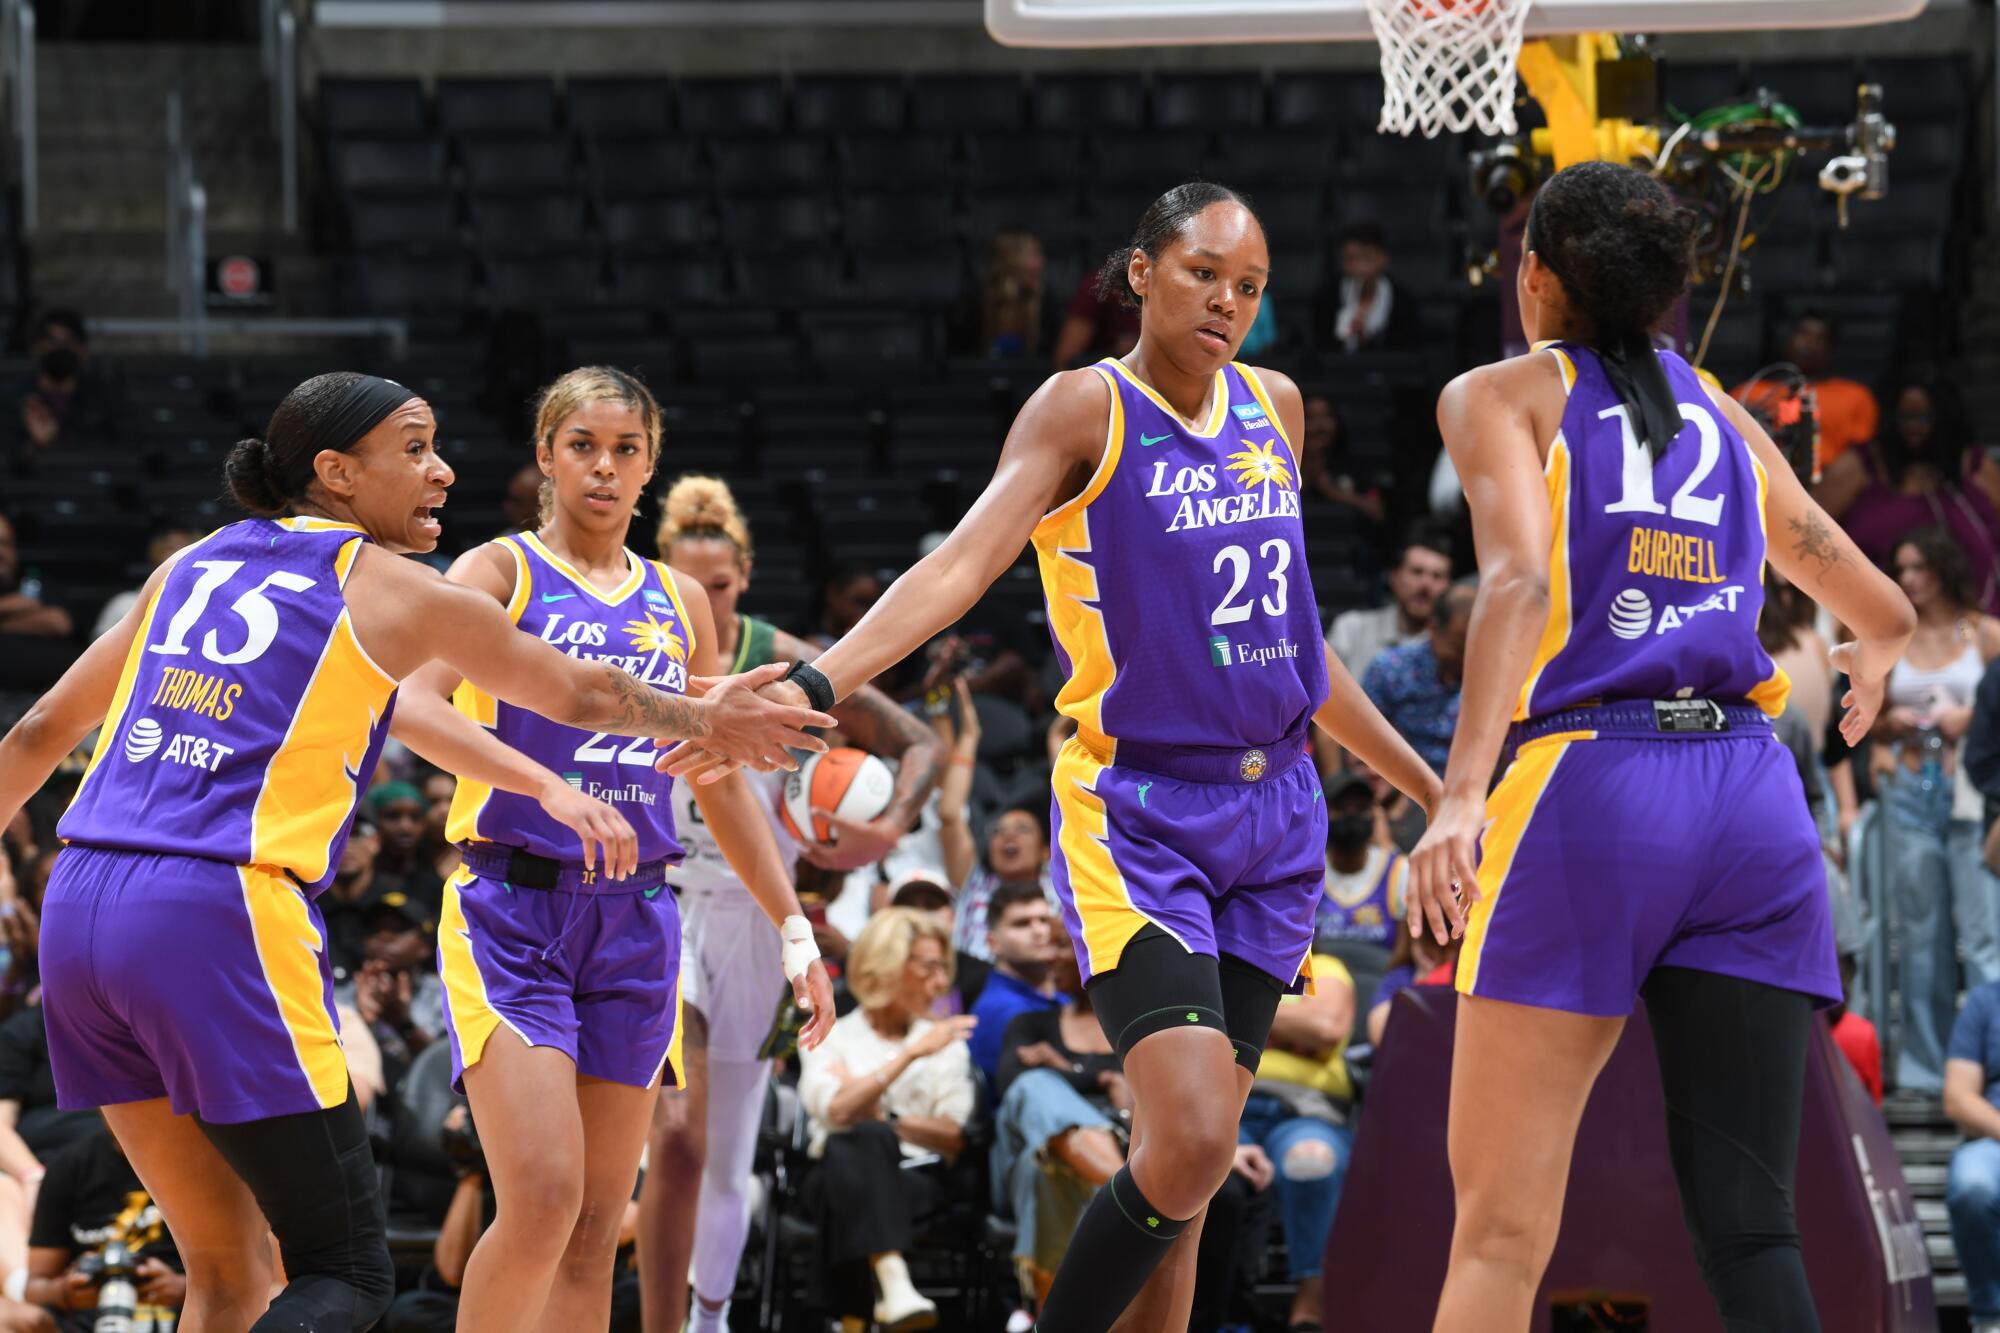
<point x="1946" y="906"/>
<point x="1311" y="1158"/>
<point x="1972" y="1194"/>
<point x="1039" y="1105"/>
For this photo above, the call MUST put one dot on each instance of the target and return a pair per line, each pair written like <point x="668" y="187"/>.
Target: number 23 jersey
<point x="1176" y="582"/>
<point x="642" y="628"/>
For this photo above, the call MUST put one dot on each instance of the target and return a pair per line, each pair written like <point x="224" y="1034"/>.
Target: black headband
<point x="1628" y="356"/>
<point x="363" y="405"/>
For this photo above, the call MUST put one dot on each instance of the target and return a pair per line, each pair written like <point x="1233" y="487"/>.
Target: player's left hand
<point x="689" y="762"/>
<point x="856" y="843"/>
<point x="1863" y="699"/>
<point x="813" y="990"/>
<point x="1444" y="870"/>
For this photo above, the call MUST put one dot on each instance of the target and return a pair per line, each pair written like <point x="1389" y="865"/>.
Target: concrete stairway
<point x="1924" y="1141"/>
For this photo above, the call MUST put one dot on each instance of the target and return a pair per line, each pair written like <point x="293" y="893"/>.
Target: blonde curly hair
<point x="698" y="508"/>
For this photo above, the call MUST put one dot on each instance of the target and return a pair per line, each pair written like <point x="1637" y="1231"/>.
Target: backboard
<point x="1102" y="23"/>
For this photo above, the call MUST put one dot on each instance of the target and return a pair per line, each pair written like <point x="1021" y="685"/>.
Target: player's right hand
<point x="1444" y="870"/>
<point x="608" y="839"/>
<point x="1863" y="699"/>
<point x="753" y="730"/>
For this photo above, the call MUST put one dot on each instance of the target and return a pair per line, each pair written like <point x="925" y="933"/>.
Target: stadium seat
<point x="619" y="108"/>
<point x="404" y="285"/>
<point x="1693" y="88"/>
<point x="514" y="162"/>
<point x="882" y="218"/>
<point x="1914" y="204"/>
<point x="542" y="282"/>
<point x="740" y="359"/>
<point x="663" y="222"/>
<point x="1023" y="161"/>
<point x="911" y="276"/>
<point x="768" y="163"/>
<point x="422" y="216"/>
<point x="527" y="223"/>
<point x="894" y="161"/>
<point x="360" y="163"/>
<point x="1369" y="156"/>
<point x="647" y="282"/>
<point x="496" y="106"/>
<point x="840" y="339"/>
<point x="1146" y="159"/>
<point x="1292" y="215"/>
<point x="844" y="103"/>
<point x="1398" y="209"/>
<point x="1299" y="270"/>
<point x="1784" y="264"/>
<point x="371" y="106"/>
<point x="732" y="105"/>
<point x="1931" y="148"/>
<point x="1325" y="101"/>
<point x="962" y="102"/>
<point x="1921" y="87"/>
<point x="1275" y="157"/>
<point x="1050" y="214"/>
<point x="1107" y="101"/>
<point x="621" y="168"/>
<point x="1821" y="91"/>
<point x="763" y="219"/>
<point x="788" y="279"/>
<point x="1206" y="103"/>
<point x="1888" y="263"/>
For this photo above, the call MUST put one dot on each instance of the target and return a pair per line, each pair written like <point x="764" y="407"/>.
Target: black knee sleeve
<point x="313" y="1175"/>
<point x="1158" y="985"/>
<point x="1119" y="1241"/>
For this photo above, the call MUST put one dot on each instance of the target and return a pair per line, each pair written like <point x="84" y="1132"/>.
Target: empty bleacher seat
<point x="371" y="106"/>
<point x="1050" y="214"/>
<point x="1921" y="87"/>
<point x="1208" y="102"/>
<point x="517" y="162"/>
<point x="1889" y="263"/>
<point x="1107" y="101"/>
<point x="624" y="167"/>
<point x="1023" y="161"/>
<point x="1927" y="148"/>
<point x="1396" y="208"/>
<point x="1300" y="270"/>
<point x="767" y="163"/>
<point x="966" y="102"/>
<point x="910" y="277"/>
<point x="1275" y="157"/>
<point x="1290" y="214"/>
<point x="762" y="219"/>
<point x="1325" y="101"/>
<point x="656" y="222"/>
<point x="883" y="217"/>
<point x="542" y="282"/>
<point x="496" y="106"/>
<point x="619" y="108"/>
<point x="744" y="358"/>
<point x="361" y="162"/>
<point x="418" y="216"/>
<point x="894" y="161"/>
<point x="1693" y="88"/>
<point x="732" y="105"/>
<point x="1914" y="204"/>
<point x="1783" y="264"/>
<point x="843" y="103"/>
<point x="838" y="339"/>
<point x="401" y="285"/>
<point x="1821" y="91"/>
<point x="527" y="222"/>
<point x="655" y="283"/>
<point x="1369" y="156"/>
<point x="1144" y="158"/>
<point x="788" y="279"/>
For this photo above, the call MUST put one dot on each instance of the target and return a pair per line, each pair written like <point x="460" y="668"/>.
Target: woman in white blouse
<point x="890" y="1083"/>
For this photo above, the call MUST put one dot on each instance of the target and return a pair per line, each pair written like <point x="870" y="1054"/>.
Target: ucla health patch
<point x="654" y="597"/>
<point x="1250" y="414"/>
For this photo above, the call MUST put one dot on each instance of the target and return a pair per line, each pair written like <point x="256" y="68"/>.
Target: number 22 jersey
<point x="1176" y="582"/>
<point x="640" y="627"/>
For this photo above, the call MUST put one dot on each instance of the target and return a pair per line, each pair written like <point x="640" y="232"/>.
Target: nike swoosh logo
<point x="548" y="597"/>
<point x="654" y="892"/>
<point x="1148" y="441"/>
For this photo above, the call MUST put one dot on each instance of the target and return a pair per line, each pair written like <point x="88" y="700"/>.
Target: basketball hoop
<point x="1448" y="65"/>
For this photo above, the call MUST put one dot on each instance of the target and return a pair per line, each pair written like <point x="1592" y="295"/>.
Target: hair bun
<point x="251" y="475"/>
<point x="702" y="505"/>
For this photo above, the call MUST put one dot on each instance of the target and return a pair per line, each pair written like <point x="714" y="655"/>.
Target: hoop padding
<point x="1448" y="65"/>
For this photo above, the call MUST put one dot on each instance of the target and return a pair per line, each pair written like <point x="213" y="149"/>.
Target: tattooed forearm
<point x="873" y="722"/>
<point x="627" y="707"/>
<point x="1813" y="540"/>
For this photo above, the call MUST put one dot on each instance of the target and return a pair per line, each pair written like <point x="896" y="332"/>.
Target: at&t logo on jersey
<point x="146" y="738"/>
<point x="1631" y="614"/>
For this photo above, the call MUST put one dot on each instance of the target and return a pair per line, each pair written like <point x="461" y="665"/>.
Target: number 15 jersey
<point x="640" y="627"/>
<point x="1176" y="582"/>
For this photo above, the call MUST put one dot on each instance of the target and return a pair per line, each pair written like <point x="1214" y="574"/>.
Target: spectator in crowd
<point x="1848" y="413"/>
<point x="1097" y="325"/>
<point x="1414" y="960"/>
<point x="1933" y="817"/>
<point x="345" y="904"/>
<point x="1854" y="1035"/>
<point x="1416" y="685"/>
<point x="402" y="862"/>
<point x="32" y="1127"/>
<point x="928" y="891"/>
<point x="1011" y="300"/>
<point x="159" y="547"/>
<point x="91" y="1198"/>
<point x="1016" y="851"/>
<point x="1787" y="633"/>
<point x="1297" y="1113"/>
<point x="1020" y="935"/>
<point x="1923" y="470"/>
<point x="522" y="504"/>
<point x="69" y="402"/>
<point x="844" y="597"/>
<point x="1366" y="878"/>
<point x="397" y="992"/>
<point x="1370" y="313"/>
<point x="21" y="608"/>
<point x="1419" y="577"/>
<point x="889" y="1083"/>
<point x="440" y="852"/>
<point x="1972" y="1185"/>
<point x="1402" y="819"/>
<point x="1320" y="459"/>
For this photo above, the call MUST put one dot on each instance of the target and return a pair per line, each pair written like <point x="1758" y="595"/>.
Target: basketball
<point x="851" y="783"/>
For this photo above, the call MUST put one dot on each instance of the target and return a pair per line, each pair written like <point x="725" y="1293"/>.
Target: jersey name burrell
<point x="639" y="627"/>
<point x="1656" y="568"/>
<point x="1176" y="583"/>
<point x="248" y="718"/>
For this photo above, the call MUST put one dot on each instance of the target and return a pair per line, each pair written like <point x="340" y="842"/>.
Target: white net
<point x="1448" y="65"/>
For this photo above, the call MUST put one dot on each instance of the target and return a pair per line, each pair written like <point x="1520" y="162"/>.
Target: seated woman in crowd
<point x="888" y="1083"/>
<point x="1298" y="1113"/>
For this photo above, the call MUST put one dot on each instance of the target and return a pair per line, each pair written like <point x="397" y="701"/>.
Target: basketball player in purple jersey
<point x="1650" y="836"/>
<point x="562" y="988"/>
<point x="243" y="702"/>
<point x="1161" y="494"/>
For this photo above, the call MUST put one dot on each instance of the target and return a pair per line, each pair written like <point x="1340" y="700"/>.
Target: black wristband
<point x="819" y="690"/>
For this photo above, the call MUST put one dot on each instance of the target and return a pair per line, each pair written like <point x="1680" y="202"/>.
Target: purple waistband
<point x="524" y="870"/>
<point x="1656" y="719"/>
<point x="1214" y="763"/>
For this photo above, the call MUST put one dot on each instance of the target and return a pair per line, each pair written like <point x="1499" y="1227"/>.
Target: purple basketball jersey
<point x="249" y="717"/>
<point x="1656" y="573"/>
<point x="640" y="627"/>
<point x="1176" y="582"/>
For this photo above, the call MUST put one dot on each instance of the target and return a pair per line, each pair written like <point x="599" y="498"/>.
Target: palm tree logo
<point x="651" y="636"/>
<point x="1257" y="465"/>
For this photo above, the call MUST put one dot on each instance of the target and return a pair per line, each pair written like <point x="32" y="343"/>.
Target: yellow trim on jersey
<point x="1508" y="812"/>
<point x="1563" y="362"/>
<point x="524" y="580"/>
<point x="308" y="523"/>
<point x="670" y="1063"/>
<point x="473" y="1017"/>
<point x="114" y="717"/>
<point x="633" y="578"/>
<point x="469" y="798"/>
<point x="343" y="561"/>
<point x="1070" y="588"/>
<point x="313" y="779"/>
<point x="680" y="607"/>
<point x="1770" y="693"/>
<point x="1097" y="889"/>
<point x="1263" y="398"/>
<point x="288" y="949"/>
<point x="1555" y="632"/>
<point x="1219" y="395"/>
